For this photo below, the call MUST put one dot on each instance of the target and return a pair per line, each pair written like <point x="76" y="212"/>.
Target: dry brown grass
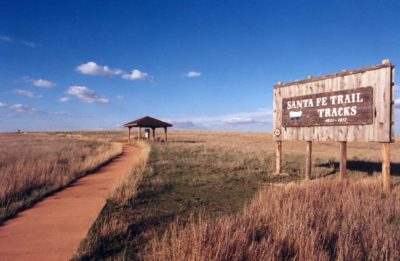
<point x="33" y="165"/>
<point x="263" y="142"/>
<point x="254" y="142"/>
<point x="322" y="220"/>
<point x="128" y="188"/>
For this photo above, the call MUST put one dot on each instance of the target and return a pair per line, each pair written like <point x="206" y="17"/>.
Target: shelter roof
<point x="148" y="122"/>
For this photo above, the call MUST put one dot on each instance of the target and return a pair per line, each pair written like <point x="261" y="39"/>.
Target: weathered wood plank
<point x="386" y="166"/>
<point x="379" y="127"/>
<point x="278" y="153"/>
<point x="329" y="76"/>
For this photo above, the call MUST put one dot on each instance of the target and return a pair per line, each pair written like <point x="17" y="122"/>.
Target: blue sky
<point x="87" y="65"/>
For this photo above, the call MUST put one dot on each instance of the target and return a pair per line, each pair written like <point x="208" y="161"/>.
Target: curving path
<point x="54" y="228"/>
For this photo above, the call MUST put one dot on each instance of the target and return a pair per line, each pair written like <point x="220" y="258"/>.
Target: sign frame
<point x="379" y="77"/>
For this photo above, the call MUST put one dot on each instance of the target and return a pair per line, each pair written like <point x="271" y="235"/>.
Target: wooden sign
<point x="349" y="107"/>
<point x="355" y="105"/>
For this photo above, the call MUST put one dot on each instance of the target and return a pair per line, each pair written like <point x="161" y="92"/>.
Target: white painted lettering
<point x="353" y="110"/>
<point x="321" y="112"/>
<point x="340" y="111"/>
<point x="340" y="99"/>
<point x="333" y="99"/>
<point x="324" y="103"/>
<point x="359" y="99"/>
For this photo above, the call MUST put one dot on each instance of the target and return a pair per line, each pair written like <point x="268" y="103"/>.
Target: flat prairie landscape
<point x="214" y="196"/>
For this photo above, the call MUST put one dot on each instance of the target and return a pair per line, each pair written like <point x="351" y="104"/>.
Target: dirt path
<point x="53" y="229"/>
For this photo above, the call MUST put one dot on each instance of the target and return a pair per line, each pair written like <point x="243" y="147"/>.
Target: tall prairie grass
<point x="33" y="165"/>
<point x="321" y="220"/>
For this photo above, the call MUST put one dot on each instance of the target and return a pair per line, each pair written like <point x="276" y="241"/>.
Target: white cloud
<point x="5" y="38"/>
<point x="87" y="95"/>
<point x="43" y="83"/>
<point x="27" y="93"/>
<point x="19" y="107"/>
<point x="136" y="75"/>
<point x="93" y="68"/>
<point x="29" y="44"/>
<point x="240" y="120"/>
<point x="253" y="120"/>
<point x="193" y="74"/>
<point x="185" y="124"/>
<point x="65" y="99"/>
<point x="397" y="103"/>
<point x="40" y="82"/>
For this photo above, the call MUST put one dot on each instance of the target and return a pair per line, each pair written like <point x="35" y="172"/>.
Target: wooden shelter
<point x="147" y="122"/>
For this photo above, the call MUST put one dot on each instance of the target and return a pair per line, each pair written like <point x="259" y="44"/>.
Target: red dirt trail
<point x="53" y="228"/>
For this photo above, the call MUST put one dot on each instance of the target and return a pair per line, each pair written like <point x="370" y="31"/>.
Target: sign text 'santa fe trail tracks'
<point x="355" y="105"/>
<point x="335" y="108"/>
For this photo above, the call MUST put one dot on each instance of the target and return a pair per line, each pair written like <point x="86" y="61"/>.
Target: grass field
<point x="197" y="189"/>
<point x="34" y="165"/>
<point x="206" y="187"/>
<point x="322" y="220"/>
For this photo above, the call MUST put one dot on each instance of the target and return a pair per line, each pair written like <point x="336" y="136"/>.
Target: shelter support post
<point x="154" y="134"/>
<point x="278" y="152"/>
<point x="165" y="134"/>
<point x="140" y="133"/>
<point x="308" y="160"/>
<point x="343" y="159"/>
<point x="386" y="166"/>
<point x="129" y="135"/>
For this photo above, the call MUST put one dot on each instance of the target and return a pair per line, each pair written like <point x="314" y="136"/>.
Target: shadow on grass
<point x="368" y="167"/>
<point x="186" y="141"/>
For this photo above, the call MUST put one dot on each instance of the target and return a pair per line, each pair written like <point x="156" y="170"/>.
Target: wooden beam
<point x="343" y="159"/>
<point x="140" y="133"/>
<point x="129" y="135"/>
<point x="308" y="160"/>
<point x="386" y="166"/>
<point x="154" y="134"/>
<point x="165" y="134"/>
<point x="278" y="153"/>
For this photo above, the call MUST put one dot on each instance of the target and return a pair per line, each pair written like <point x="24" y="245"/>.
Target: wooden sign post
<point x="355" y="105"/>
<point x="343" y="159"/>
<point x="278" y="157"/>
<point x="308" y="160"/>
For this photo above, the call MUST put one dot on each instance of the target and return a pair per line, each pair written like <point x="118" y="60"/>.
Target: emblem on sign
<point x="277" y="132"/>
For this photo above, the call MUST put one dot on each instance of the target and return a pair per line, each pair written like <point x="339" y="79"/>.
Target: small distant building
<point x="147" y="122"/>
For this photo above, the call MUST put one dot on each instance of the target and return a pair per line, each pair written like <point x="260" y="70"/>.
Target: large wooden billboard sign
<point x="355" y="105"/>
